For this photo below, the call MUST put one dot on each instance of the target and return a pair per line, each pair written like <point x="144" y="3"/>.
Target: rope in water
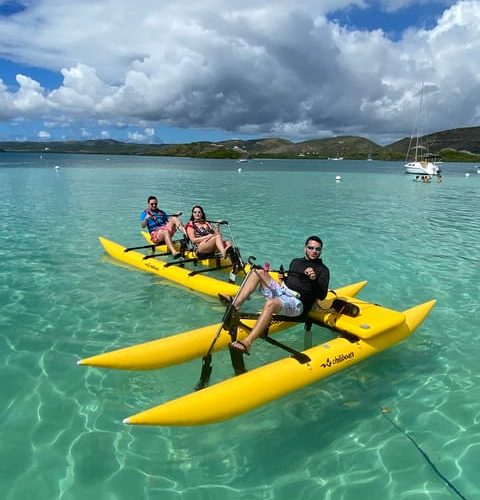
<point x="412" y="440"/>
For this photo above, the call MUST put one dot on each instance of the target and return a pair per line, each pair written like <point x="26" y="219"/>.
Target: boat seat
<point x="372" y="320"/>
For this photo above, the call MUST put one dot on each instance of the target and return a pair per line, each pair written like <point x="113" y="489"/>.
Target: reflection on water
<point x="62" y="300"/>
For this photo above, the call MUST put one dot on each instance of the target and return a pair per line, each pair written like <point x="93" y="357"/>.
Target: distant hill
<point x="461" y="144"/>
<point x="343" y="146"/>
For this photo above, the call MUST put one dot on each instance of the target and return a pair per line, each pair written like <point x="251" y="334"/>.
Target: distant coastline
<point x="459" y="145"/>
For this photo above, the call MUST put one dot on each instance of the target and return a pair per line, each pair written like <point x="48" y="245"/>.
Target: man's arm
<point x="143" y="219"/>
<point x="323" y="279"/>
<point x="296" y="267"/>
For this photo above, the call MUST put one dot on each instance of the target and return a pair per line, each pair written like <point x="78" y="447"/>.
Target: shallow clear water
<point x="346" y="437"/>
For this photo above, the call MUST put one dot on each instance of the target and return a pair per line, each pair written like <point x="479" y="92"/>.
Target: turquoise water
<point x="404" y="424"/>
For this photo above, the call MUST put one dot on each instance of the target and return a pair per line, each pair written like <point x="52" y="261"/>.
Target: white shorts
<point x="291" y="305"/>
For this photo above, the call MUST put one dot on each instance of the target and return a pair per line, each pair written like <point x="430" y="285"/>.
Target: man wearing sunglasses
<point x="307" y="280"/>
<point x="161" y="226"/>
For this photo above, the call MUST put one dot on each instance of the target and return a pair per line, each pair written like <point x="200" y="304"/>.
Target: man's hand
<point x="310" y="273"/>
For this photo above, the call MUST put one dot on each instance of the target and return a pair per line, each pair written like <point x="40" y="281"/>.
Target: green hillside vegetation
<point x="462" y="144"/>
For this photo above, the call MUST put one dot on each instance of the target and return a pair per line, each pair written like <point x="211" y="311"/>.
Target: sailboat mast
<point x="422" y="159"/>
<point x="419" y="128"/>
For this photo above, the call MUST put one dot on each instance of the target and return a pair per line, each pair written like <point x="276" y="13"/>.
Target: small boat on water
<point x="182" y="347"/>
<point x="175" y="271"/>
<point x="419" y="160"/>
<point x="372" y="330"/>
<point x="338" y="157"/>
<point x="370" y="154"/>
<point x="424" y="165"/>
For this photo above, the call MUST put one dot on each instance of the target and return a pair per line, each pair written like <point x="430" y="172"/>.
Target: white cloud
<point x="30" y="96"/>
<point x="146" y="136"/>
<point x="255" y="67"/>
<point x="43" y="134"/>
<point x="81" y="90"/>
<point x="58" y="121"/>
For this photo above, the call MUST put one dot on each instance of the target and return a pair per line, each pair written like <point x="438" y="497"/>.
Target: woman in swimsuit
<point x="203" y="235"/>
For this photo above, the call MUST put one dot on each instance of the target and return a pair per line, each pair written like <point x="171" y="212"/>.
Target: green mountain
<point x="461" y="144"/>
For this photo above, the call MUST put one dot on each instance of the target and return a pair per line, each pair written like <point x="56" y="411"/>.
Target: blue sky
<point x="415" y="15"/>
<point x="178" y="72"/>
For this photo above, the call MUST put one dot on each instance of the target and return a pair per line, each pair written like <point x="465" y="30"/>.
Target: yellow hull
<point x="188" y="254"/>
<point x="260" y="386"/>
<point x="175" y="273"/>
<point x="186" y="346"/>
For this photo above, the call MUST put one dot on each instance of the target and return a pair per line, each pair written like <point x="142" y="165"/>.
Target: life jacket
<point x="158" y="218"/>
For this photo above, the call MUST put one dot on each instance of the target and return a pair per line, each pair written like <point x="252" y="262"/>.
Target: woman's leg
<point x="220" y="245"/>
<point x="206" y="247"/>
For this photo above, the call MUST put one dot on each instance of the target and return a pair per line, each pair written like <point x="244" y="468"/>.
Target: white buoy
<point x="239" y="170"/>
<point x="338" y="178"/>
<point x="57" y="167"/>
<point x="467" y="174"/>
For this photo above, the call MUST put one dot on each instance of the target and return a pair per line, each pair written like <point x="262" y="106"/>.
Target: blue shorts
<point x="291" y="305"/>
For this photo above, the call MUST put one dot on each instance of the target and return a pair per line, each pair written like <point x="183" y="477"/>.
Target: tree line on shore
<point x="451" y="145"/>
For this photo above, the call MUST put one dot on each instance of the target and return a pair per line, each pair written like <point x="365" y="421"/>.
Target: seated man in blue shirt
<point x="161" y="226"/>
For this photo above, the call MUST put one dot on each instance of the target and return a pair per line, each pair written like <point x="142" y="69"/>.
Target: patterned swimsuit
<point x="200" y="231"/>
<point x="203" y="230"/>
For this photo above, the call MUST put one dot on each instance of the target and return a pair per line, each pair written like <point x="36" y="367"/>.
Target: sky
<point x="174" y="72"/>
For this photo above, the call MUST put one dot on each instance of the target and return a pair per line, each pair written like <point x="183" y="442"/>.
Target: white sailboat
<point x="370" y="154"/>
<point x="338" y="157"/>
<point x="419" y="160"/>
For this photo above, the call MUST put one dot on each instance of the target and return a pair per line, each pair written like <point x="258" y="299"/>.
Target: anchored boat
<point x="419" y="160"/>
